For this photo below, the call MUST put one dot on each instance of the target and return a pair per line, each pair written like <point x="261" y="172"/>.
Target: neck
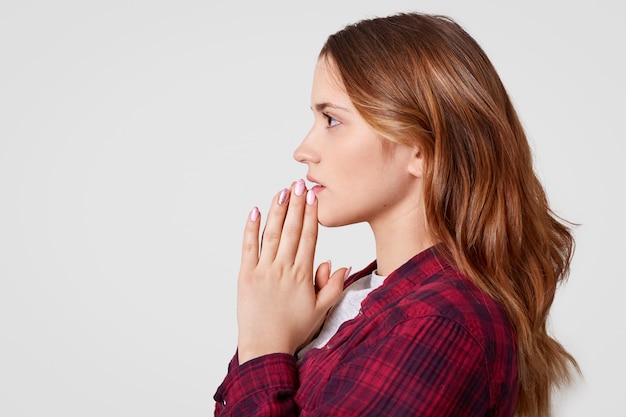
<point x="399" y="239"/>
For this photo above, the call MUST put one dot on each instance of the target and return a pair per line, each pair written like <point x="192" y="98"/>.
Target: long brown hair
<point x="421" y="80"/>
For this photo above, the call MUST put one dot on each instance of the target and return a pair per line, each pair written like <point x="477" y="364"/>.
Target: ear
<point x="416" y="162"/>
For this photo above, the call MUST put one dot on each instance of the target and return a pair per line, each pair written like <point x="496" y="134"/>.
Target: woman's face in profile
<point x="354" y="179"/>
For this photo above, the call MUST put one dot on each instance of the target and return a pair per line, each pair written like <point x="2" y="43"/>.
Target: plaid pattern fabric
<point x="427" y="342"/>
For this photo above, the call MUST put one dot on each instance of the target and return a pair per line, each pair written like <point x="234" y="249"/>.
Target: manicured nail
<point x="254" y="214"/>
<point x="282" y="197"/>
<point x="347" y="274"/>
<point x="299" y="188"/>
<point x="310" y="197"/>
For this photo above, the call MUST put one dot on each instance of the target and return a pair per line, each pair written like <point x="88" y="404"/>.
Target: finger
<point x="274" y="226"/>
<point x="322" y="275"/>
<point x="308" y="236"/>
<point x="292" y="227"/>
<point x="250" y="249"/>
<point x="328" y="296"/>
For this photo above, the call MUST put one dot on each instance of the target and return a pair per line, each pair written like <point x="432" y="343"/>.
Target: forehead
<point x="327" y="84"/>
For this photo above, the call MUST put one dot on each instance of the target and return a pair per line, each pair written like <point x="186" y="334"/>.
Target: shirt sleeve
<point x="263" y="386"/>
<point x="428" y="366"/>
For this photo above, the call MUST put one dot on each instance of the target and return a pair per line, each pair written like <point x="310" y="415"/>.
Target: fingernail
<point x="347" y="274"/>
<point x="330" y="266"/>
<point x="282" y="197"/>
<point x="310" y="197"/>
<point x="254" y="214"/>
<point x="299" y="188"/>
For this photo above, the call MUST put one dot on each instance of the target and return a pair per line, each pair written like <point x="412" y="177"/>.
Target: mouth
<point x="317" y="187"/>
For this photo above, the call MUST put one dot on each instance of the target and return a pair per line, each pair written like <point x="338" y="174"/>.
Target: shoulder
<point x="427" y="295"/>
<point x="454" y="297"/>
<point x="428" y="286"/>
<point x="451" y="299"/>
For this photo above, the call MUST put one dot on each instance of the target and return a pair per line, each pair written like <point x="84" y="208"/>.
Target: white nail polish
<point x="310" y="197"/>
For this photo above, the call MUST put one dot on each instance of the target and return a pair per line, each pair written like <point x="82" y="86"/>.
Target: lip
<point x="317" y="187"/>
<point x="313" y="180"/>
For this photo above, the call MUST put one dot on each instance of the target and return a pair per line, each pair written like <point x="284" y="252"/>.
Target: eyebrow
<point x="320" y="107"/>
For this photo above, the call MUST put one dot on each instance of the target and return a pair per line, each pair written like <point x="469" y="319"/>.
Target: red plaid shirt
<point x="427" y="342"/>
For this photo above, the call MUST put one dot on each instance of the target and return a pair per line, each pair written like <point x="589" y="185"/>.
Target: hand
<point x="279" y="306"/>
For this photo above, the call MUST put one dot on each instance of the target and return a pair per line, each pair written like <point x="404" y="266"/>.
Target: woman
<point x="415" y="135"/>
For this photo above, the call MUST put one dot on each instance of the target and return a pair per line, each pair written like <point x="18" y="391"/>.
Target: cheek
<point x="333" y="210"/>
<point x="345" y="208"/>
<point x="326" y="212"/>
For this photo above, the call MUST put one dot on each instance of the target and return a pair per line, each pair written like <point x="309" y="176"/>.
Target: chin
<point x="334" y="221"/>
<point x="326" y="223"/>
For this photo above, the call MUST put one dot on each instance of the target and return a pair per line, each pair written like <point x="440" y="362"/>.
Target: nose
<point x="306" y="152"/>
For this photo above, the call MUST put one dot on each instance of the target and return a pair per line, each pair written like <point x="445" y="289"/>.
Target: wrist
<point x="246" y="353"/>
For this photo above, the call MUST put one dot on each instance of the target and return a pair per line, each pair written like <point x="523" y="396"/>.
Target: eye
<point x="331" y="122"/>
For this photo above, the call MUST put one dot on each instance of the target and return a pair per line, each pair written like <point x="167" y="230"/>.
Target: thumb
<point x="328" y="295"/>
<point x="322" y="275"/>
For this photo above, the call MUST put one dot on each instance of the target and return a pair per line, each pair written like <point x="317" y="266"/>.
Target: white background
<point x="135" y="136"/>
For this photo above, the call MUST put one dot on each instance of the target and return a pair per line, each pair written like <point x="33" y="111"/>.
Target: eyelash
<point x="331" y="122"/>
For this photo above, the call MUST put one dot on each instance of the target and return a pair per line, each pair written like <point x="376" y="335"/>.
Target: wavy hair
<point x="422" y="80"/>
